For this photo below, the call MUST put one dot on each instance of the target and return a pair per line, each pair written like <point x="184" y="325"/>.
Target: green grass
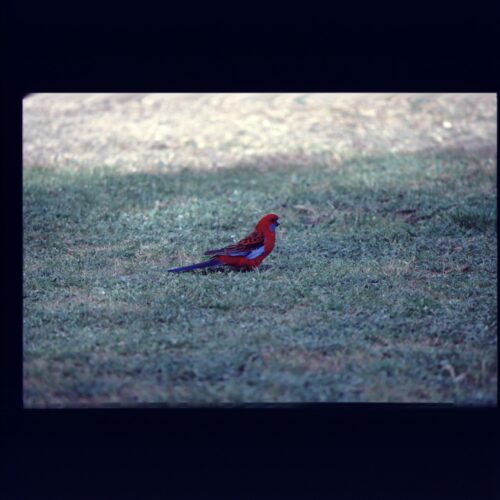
<point x="382" y="286"/>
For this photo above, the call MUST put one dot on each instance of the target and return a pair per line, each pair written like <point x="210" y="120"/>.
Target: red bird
<point x="248" y="253"/>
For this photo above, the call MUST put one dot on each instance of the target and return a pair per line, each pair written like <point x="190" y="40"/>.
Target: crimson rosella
<point x="248" y="253"/>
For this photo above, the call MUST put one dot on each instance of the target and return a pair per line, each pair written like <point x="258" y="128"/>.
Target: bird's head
<point x="269" y="221"/>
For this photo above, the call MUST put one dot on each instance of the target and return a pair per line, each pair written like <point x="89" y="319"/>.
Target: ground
<point x="382" y="286"/>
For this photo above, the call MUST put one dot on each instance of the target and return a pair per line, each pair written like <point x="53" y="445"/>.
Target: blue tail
<point x="208" y="263"/>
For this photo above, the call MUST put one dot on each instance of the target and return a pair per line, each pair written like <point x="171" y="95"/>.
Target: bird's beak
<point x="277" y="223"/>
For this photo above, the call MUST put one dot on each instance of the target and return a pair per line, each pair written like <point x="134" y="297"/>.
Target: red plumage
<point x="247" y="253"/>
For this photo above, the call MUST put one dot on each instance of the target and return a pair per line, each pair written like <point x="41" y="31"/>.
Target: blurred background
<point x="206" y="131"/>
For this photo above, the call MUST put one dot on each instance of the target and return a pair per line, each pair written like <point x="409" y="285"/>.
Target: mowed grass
<point x="382" y="286"/>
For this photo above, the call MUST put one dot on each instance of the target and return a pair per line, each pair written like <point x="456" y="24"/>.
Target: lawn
<point x="382" y="286"/>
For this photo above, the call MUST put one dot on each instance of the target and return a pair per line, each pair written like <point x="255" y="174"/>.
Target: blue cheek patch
<point x="272" y="227"/>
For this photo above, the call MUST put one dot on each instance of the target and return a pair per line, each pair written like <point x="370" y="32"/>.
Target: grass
<point x="382" y="286"/>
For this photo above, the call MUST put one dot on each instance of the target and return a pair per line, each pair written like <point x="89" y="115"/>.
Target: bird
<point x="247" y="253"/>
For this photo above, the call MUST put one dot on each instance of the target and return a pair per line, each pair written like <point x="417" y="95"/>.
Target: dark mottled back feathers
<point x="254" y="240"/>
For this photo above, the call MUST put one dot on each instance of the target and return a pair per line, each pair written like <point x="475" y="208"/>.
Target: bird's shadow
<point x="229" y="269"/>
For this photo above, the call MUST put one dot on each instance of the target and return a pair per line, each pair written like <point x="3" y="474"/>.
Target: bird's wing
<point x="251" y="244"/>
